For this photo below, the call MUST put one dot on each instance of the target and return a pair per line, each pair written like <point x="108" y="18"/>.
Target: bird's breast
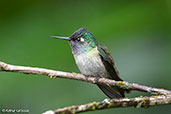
<point x="90" y="63"/>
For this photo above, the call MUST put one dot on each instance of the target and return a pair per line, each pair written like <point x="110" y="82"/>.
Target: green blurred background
<point x="137" y="33"/>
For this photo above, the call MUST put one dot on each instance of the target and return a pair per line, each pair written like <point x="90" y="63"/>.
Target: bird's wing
<point x="112" y="92"/>
<point x="108" y="62"/>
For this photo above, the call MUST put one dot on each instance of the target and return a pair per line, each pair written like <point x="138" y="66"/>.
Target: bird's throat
<point x="79" y="49"/>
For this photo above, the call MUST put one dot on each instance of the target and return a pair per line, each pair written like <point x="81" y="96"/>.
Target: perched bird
<point x="93" y="59"/>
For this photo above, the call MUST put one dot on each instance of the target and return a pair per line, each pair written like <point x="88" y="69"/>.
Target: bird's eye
<point x="78" y="39"/>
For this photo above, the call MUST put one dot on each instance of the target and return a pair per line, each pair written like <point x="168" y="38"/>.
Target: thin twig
<point x="114" y="103"/>
<point x="59" y="74"/>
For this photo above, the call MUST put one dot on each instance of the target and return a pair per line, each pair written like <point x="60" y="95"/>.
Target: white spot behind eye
<point x="82" y="39"/>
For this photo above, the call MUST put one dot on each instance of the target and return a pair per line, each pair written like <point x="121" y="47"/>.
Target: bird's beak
<point x="59" y="37"/>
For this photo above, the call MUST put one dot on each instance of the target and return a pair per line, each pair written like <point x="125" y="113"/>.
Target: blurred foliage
<point x="137" y="33"/>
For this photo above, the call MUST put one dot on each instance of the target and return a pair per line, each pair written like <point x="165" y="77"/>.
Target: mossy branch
<point x="138" y="102"/>
<point x="163" y="98"/>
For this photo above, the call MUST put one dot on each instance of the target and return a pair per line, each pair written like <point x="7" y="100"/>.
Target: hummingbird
<point x="94" y="59"/>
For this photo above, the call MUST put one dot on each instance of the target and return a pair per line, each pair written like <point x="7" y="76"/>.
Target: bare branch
<point x="95" y="80"/>
<point x="114" y="103"/>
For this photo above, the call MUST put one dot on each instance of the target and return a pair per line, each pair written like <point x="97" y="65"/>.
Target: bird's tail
<point x="112" y="92"/>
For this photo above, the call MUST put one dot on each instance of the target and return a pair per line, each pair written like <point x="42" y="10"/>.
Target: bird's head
<point x="80" y="41"/>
